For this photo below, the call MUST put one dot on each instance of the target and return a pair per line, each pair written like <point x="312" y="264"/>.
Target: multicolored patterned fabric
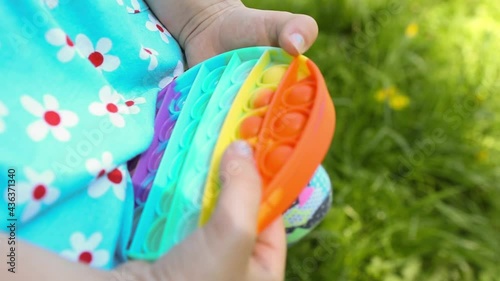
<point x="310" y="208"/>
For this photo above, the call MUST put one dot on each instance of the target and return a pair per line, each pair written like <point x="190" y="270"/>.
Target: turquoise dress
<point x="78" y="99"/>
<point x="77" y="102"/>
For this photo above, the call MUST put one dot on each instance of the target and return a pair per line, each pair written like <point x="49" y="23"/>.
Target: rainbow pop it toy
<point x="276" y="102"/>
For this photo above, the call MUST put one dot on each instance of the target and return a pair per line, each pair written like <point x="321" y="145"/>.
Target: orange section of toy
<point x="294" y="135"/>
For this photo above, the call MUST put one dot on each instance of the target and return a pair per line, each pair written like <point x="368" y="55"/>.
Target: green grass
<point x="417" y="190"/>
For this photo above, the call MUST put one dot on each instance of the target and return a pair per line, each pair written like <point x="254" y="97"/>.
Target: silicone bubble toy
<point x="278" y="103"/>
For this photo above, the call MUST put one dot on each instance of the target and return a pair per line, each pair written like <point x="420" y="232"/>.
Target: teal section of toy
<point x="183" y="218"/>
<point x="148" y="234"/>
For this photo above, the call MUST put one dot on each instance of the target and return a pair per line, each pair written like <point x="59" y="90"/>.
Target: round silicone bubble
<point x="250" y="126"/>
<point x="154" y="236"/>
<point x="165" y="201"/>
<point x="166" y="129"/>
<point x="188" y="134"/>
<point x="187" y="225"/>
<point x="289" y="125"/>
<point x="261" y="97"/>
<point x="210" y="82"/>
<point x="226" y="100"/>
<point x="200" y="105"/>
<point x="274" y="157"/>
<point x="273" y="75"/>
<point x="176" y="104"/>
<point x="302" y="94"/>
<point x="176" y="164"/>
<point x="241" y="73"/>
<point x="216" y="124"/>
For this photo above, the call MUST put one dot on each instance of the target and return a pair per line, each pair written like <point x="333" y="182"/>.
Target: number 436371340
<point x="11" y="192"/>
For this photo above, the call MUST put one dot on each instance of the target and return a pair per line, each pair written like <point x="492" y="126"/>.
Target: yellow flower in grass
<point x="383" y="94"/>
<point x="482" y="156"/>
<point x="396" y="100"/>
<point x="411" y="30"/>
<point x="399" y="102"/>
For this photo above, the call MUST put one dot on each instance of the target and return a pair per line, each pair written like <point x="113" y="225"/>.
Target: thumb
<point x="235" y="217"/>
<point x="293" y="32"/>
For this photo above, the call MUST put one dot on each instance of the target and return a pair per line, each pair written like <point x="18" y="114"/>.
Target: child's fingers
<point x="269" y="255"/>
<point x="234" y="221"/>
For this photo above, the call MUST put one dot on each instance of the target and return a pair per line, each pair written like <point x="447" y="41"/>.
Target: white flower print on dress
<point x="179" y="69"/>
<point x="58" y="37"/>
<point x="86" y="251"/>
<point x="51" y="118"/>
<point x="120" y="2"/>
<point x="154" y="25"/>
<point x="135" y="9"/>
<point x="99" y="168"/>
<point x="37" y="191"/>
<point x="99" y="56"/>
<point x="132" y="104"/>
<point x="107" y="176"/>
<point x="115" y="180"/>
<point x="51" y="4"/>
<point x="4" y="111"/>
<point x="111" y="104"/>
<point x="148" y="53"/>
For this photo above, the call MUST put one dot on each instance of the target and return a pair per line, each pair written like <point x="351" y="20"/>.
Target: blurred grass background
<point x="414" y="161"/>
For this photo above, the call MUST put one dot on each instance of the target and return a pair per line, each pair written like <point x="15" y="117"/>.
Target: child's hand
<point x="228" y="247"/>
<point x="205" y="28"/>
